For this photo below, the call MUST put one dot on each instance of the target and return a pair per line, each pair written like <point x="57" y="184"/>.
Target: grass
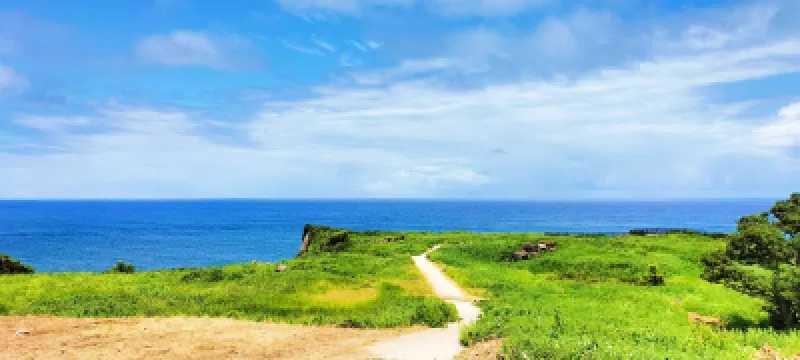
<point x="585" y="300"/>
<point x="368" y="286"/>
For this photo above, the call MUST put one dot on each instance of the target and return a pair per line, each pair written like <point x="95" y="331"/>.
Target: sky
<point x="468" y="99"/>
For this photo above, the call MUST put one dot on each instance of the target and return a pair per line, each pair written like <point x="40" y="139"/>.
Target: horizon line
<point x="178" y="199"/>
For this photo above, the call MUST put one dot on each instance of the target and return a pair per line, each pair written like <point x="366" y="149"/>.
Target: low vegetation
<point x="670" y="294"/>
<point x="318" y="287"/>
<point x="587" y="300"/>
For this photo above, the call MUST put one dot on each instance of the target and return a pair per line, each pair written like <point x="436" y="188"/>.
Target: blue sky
<point x="512" y="99"/>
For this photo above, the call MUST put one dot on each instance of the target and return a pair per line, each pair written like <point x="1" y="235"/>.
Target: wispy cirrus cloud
<point x="459" y="8"/>
<point x="303" y="49"/>
<point x="10" y="80"/>
<point x="349" y="7"/>
<point x="196" y="48"/>
<point x="323" y="45"/>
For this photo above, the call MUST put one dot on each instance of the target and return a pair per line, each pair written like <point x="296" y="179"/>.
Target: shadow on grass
<point x="739" y="323"/>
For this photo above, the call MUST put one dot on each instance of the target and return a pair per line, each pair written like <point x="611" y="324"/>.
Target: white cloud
<point x="10" y="80"/>
<point x="349" y="61"/>
<point x="350" y="7"/>
<point x="185" y="47"/>
<point x="303" y="49"/>
<point x="361" y="47"/>
<point x="483" y="8"/>
<point x="52" y="123"/>
<point x="782" y="133"/>
<point x="639" y="128"/>
<point x="486" y="8"/>
<point x="324" y="45"/>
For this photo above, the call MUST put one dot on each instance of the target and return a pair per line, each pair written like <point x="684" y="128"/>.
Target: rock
<point x="542" y="247"/>
<point x="530" y="247"/>
<point x="307" y="229"/>
<point x="280" y="268"/>
<point x="22" y="332"/>
<point x="547" y="245"/>
<point x="521" y="255"/>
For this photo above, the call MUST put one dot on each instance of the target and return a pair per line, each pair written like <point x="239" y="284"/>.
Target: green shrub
<point x="434" y="313"/>
<point x="654" y="277"/>
<point x="210" y="275"/>
<point x="122" y="268"/>
<point x="10" y="266"/>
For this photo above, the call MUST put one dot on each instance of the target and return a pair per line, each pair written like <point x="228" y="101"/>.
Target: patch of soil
<point x="180" y="338"/>
<point x="484" y="351"/>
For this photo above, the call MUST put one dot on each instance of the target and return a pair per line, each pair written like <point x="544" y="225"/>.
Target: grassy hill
<point x="585" y="300"/>
<point x="370" y="285"/>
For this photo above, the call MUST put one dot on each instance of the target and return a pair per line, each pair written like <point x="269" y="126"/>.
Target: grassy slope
<point x="575" y="303"/>
<point x="368" y="286"/>
<point x="579" y="302"/>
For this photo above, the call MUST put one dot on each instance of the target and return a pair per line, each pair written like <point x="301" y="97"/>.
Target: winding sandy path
<point x="438" y="344"/>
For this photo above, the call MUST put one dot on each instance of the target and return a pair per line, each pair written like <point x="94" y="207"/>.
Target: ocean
<point x="55" y="236"/>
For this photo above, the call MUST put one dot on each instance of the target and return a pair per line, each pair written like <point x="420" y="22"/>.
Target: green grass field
<point x="368" y="286"/>
<point x="584" y="301"/>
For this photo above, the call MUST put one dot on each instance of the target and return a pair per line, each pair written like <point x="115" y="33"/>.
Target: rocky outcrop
<point x="531" y="250"/>
<point x="9" y="266"/>
<point x="324" y="239"/>
<point x="306" y="238"/>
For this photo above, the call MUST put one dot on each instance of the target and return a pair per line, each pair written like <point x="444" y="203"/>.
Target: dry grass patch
<point x="340" y="297"/>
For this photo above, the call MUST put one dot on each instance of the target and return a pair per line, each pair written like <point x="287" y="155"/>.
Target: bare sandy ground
<point x="181" y="338"/>
<point x="438" y="344"/>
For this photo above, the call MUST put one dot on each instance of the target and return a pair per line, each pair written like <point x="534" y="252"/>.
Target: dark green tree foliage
<point x="762" y="259"/>
<point x="122" y="268"/>
<point x="8" y="265"/>
<point x="654" y="277"/>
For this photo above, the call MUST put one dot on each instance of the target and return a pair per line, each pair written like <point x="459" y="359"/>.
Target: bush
<point x="434" y="313"/>
<point x="10" y="266"/>
<point x="210" y="275"/>
<point x="654" y="277"/>
<point x="122" y="268"/>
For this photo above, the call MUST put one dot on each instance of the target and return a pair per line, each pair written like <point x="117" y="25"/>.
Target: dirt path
<point x="436" y="344"/>
<point x="180" y="338"/>
<point x="209" y="338"/>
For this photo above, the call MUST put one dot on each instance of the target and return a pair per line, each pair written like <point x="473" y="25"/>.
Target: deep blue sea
<point x="92" y="235"/>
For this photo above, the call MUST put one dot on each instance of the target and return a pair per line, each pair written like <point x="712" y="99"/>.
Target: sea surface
<point x="55" y="236"/>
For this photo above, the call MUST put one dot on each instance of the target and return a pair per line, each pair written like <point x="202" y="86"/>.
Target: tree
<point x="763" y="259"/>
<point x="122" y="268"/>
